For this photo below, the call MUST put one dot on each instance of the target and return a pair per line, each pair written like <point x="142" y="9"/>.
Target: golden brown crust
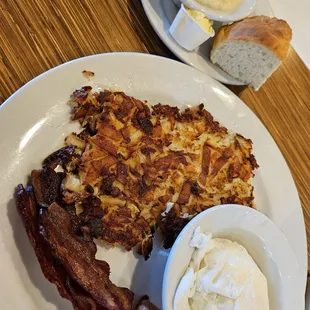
<point x="273" y="33"/>
<point x="137" y="158"/>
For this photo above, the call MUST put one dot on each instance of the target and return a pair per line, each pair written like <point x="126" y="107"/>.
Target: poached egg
<point x="221" y="276"/>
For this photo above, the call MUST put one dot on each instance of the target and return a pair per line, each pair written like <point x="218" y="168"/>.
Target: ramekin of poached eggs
<point x="234" y="258"/>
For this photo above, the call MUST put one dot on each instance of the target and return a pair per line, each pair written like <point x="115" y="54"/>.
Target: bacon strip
<point x="46" y="184"/>
<point x="77" y="255"/>
<point x="56" y="274"/>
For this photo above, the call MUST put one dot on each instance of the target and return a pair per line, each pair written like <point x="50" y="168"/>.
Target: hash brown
<point x="132" y="158"/>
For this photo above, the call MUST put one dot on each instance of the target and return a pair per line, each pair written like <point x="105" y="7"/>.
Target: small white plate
<point x="264" y="242"/>
<point x="161" y="14"/>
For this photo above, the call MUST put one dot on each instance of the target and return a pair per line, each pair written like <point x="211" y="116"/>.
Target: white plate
<point x="161" y="14"/>
<point x="262" y="239"/>
<point x="34" y="121"/>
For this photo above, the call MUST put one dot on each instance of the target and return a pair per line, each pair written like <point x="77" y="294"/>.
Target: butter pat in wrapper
<point x="191" y="28"/>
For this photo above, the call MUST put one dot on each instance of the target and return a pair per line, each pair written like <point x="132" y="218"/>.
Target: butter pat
<point x="191" y="28"/>
<point x="201" y="19"/>
<point x="221" y="276"/>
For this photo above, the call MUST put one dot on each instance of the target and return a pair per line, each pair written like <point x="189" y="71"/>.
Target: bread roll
<point x="252" y="49"/>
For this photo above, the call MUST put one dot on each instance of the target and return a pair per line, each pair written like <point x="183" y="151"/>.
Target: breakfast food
<point x="113" y="181"/>
<point x="221" y="5"/>
<point x="135" y="158"/>
<point x="201" y="19"/>
<point x="191" y="28"/>
<point x="221" y="275"/>
<point x="252" y="49"/>
<point x="67" y="259"/>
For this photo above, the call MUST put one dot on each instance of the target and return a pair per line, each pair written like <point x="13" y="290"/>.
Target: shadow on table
<point x="237" y="90"/>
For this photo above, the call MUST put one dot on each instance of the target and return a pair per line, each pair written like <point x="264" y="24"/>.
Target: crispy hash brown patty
<point x="132" y="158"/>
<point x="113" y="180"/>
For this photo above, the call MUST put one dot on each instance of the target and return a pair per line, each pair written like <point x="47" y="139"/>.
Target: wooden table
<point x="36" y="35"/>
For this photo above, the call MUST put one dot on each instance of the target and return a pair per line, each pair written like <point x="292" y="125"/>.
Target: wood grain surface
<point x="36" y="35"/>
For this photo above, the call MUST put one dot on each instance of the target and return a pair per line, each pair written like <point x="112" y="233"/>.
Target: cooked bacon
<point x="28" y="210"/>
<point x="46" y="183"/>
<point x="82" y="301"/>
<point x="55" y="273"/>
<point x="77" y="255"/>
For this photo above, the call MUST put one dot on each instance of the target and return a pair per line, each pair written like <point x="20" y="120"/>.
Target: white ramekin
<point x="187" y="32"/>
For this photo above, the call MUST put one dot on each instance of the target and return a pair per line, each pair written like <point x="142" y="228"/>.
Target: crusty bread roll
<point x="252" y="49"/>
